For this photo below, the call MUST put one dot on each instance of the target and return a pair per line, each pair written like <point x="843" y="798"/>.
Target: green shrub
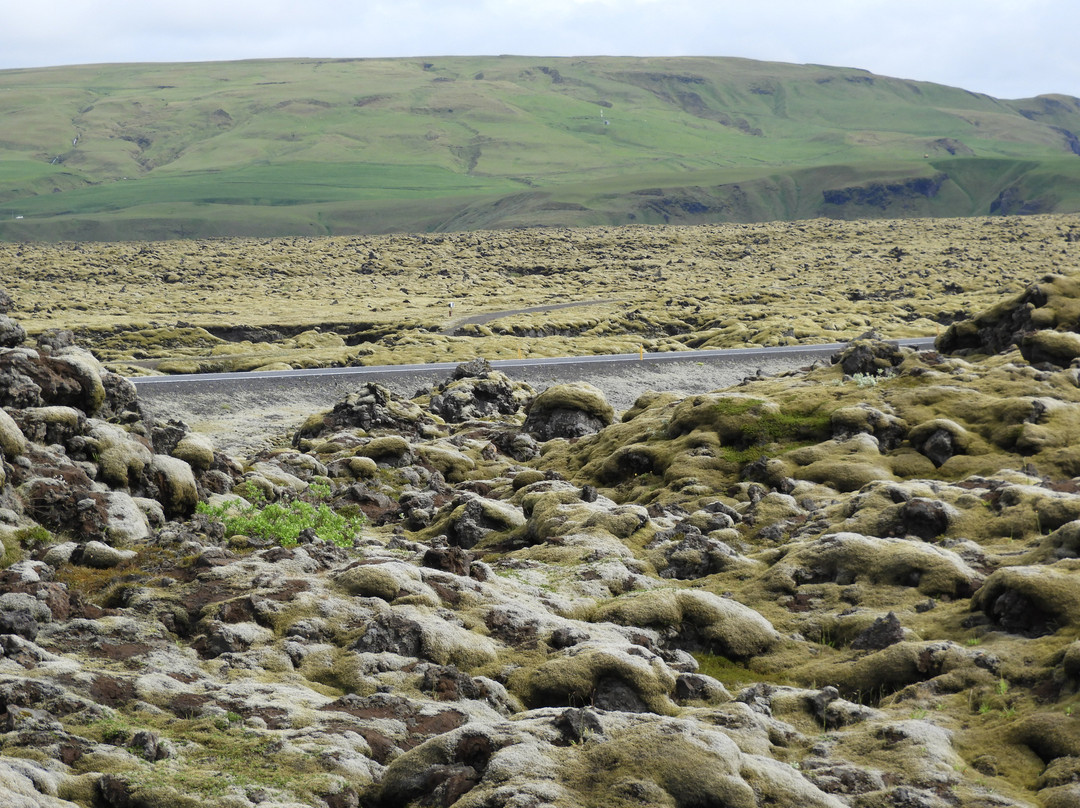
<point x="284" y="521"/>
<point x="34" y="538"/>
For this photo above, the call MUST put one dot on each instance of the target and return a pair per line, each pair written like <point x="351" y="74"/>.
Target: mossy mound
<point x="694" y="620"/>
<point x="873" y="676"/>
<point x="1032" y="600"/>
<point x="845" y="558"/>
<point x="568" y="411"/>
<point x="598" y="674"/>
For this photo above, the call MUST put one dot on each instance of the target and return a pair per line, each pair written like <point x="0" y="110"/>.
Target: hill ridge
<point x="340" y="146"/>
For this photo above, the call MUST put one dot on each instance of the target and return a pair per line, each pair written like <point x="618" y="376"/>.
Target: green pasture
<point x="291" y="184"/>
<point x="349" y="145"/>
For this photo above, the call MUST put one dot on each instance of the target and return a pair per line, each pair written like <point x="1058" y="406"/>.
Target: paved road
<point x="244" y="411"/>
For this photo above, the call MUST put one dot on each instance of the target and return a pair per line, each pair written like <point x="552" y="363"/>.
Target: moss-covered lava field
<point x="232" y="304"/>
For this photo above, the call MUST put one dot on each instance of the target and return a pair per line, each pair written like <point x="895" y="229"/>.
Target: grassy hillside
<point x="364" y="146"/>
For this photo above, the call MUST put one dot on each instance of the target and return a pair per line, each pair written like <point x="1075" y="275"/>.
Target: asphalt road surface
<point x="245" y="412"/>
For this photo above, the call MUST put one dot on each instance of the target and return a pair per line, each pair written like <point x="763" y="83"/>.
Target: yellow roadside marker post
<point x="641" y="352"/>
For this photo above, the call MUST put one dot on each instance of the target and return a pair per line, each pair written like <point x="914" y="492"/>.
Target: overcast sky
<point x="1006" y="48"/>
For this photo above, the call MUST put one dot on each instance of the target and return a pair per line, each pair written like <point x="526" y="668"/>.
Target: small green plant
<point x="34" y="538"/>
<point x="113" y="731"/>
<point x="25" y="539"/>
<point x="1008" y="712"/>
<point x="973" y="640"/>
<point x="283" y="522"/>
<point x="918" y="714"/>
<point x="226" y="721"/>
<point x="865" y="380"/>
<point x="585" y="737"/>
<point x="1002" y="687"/>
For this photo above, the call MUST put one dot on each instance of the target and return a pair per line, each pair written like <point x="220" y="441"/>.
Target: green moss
<point x="388" y="447"/>
<point x="580" y="396"/>
<point x="867" y="679"/>
<point x="907" y="463"/>
<point x="338" y="670"/>
<point x="572" y="680"/>
<point x="363" y="467"/>
<point x="12" y="440"/>
<point x="455" y="466"/>
<point x="80" y="789"/>
<point x="375" y="580"/>
<point x="13" y="549"/>
<point x="844" y="475"/>
<point x="732" y="674"/>
<point x="718" y="624"/>
<point x="684" y="773"/>
<point x="221" y="758"/>
<point x="526" y="478"/>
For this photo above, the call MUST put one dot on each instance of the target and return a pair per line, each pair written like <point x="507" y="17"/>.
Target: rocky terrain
<point x="857" y="584"/>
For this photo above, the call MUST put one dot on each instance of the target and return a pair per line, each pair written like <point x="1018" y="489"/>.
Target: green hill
<point x="305" y="147"/>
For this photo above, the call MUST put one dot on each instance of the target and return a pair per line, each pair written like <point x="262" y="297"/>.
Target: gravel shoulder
<point x="255" y="417"/>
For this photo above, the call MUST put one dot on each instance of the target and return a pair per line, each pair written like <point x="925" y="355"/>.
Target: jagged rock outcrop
<point x="476" y="391"/>
<point x="1042" y="321"/>
<point x="373" y="409"/>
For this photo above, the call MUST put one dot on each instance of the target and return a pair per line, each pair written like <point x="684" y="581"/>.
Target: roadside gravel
<point x="245" y="420"/>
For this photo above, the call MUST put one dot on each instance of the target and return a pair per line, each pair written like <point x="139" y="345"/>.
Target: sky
<point x="1005" y="48"/>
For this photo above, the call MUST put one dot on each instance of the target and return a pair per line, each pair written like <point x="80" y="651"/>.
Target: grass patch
<point x="217" y="755"/>
<point x="730" y="674"/>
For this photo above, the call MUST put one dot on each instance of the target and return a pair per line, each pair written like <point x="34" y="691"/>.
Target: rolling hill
<point x="314" y="147"/>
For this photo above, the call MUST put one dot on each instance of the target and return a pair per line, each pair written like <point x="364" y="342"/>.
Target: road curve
<point x="480" y="319"/>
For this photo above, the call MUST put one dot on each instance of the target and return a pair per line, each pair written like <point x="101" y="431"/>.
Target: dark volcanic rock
<point x="477" y="391"/>
<point x="690" y="554"/>
<point x="393" y="633"/>
<point x="870" y="357"/>
<point x="449" y="559"/>
<point x="884" y="631"/>
<point x="925" y="518"/>
<point x="372" y="408"/>
<point x="11" y="333"/>
<point x="31" y="379"/>
<point x="567" y="411"/>
<point x="56" y="338"/>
